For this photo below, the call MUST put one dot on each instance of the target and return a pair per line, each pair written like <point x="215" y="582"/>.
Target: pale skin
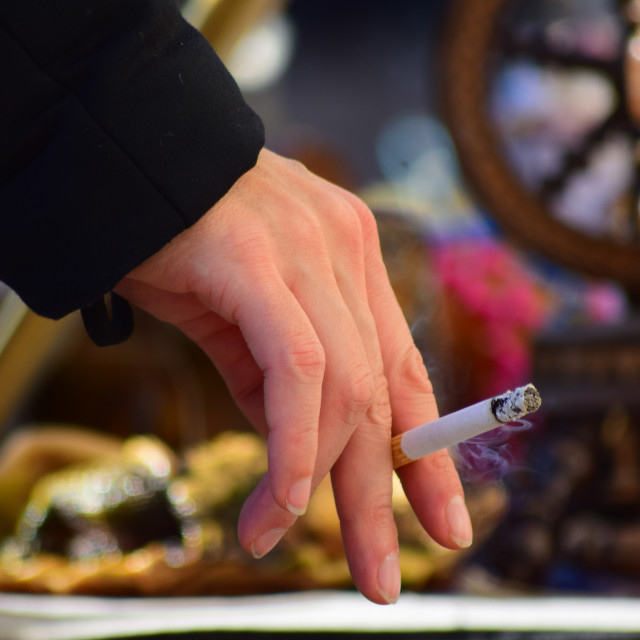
<point x="282" y="284"/>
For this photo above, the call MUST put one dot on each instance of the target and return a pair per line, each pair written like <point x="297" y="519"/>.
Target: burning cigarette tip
<point x="513" y="405"/>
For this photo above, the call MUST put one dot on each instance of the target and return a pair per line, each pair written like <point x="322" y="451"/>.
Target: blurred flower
<point x="494" y="306"/>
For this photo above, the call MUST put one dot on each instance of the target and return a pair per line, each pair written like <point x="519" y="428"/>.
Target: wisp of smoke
<point x="489" y="456"/>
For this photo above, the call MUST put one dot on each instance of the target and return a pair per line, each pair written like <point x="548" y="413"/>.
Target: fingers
<point x="323" y="357"/>
<point x="271" y="359"/>
<point x="347" y="394"/>
<point x="432" y="484"/>
<point x="355" y="426"/>
<point x="291" y="358"/>
<point x="362" y="487"/>
<point x="362" y="476"/>
<point x="262" y="522"/>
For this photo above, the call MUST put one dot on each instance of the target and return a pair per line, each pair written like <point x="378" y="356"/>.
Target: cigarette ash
<point x="490" y="456"/>
<point x="513" y="405"/>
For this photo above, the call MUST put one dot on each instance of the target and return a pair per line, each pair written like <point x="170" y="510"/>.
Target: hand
<point x="282" y="284"/>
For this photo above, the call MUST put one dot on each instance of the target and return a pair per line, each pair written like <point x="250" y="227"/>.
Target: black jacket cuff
<point x="121" y="128"/>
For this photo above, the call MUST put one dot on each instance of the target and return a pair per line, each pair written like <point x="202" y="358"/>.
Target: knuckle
<point x="350" y="225"/>
<point x="367" y="219"/>
<point x="305" y="229"/>
<point x="411" y="372"/>
<point x="380" y="418"/>
<point x="305" y="359"/>
<point x="378" y="511"/>
<point x="311" y="235"/>
<point x="368" y="224"/>
<point x="381" y="407"/>
<point x="441" y="463"/>
<point x="295" y="165"/>
<point x="375" y="513"/>
<point x="378" y="415"/>
<point x="358" y="394"/>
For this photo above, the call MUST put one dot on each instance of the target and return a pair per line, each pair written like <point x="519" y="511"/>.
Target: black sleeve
<point x="119" y="128"/>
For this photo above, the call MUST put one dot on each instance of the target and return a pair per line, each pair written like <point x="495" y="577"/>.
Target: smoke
<point x="489" y="456"/>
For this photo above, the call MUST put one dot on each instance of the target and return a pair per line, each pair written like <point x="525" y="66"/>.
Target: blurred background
<point x="496" y="142"/>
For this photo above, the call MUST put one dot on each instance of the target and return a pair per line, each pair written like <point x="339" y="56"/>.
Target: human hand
<point x="282" y="284"/>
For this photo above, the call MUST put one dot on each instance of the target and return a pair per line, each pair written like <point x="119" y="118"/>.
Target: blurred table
<point x="317" y="615"/>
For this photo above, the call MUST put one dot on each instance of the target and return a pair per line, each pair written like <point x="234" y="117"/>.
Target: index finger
<point x="287" y="350"/>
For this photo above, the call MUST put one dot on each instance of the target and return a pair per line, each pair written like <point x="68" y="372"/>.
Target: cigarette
<point x="466" y="423"/>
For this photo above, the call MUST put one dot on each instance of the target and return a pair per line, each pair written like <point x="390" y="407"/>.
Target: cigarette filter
<point x="464" y="424"/>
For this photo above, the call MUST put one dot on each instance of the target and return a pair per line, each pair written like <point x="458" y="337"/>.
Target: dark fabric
<point x="119" y="127"/>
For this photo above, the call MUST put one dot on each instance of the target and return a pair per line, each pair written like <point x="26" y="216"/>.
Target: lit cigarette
<point x="464" y="424"/>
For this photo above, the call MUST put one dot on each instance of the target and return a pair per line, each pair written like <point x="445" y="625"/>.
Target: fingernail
<point x="389" y="578"/>
<point x="298" y="497"/>
<point x="460" y="529"/>
<point x="264" y="543"/>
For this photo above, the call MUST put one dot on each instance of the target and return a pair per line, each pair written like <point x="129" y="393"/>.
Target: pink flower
<point x="499" y="303"/>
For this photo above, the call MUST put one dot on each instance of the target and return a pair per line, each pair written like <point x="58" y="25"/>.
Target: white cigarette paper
<point x="466" y="423"/>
